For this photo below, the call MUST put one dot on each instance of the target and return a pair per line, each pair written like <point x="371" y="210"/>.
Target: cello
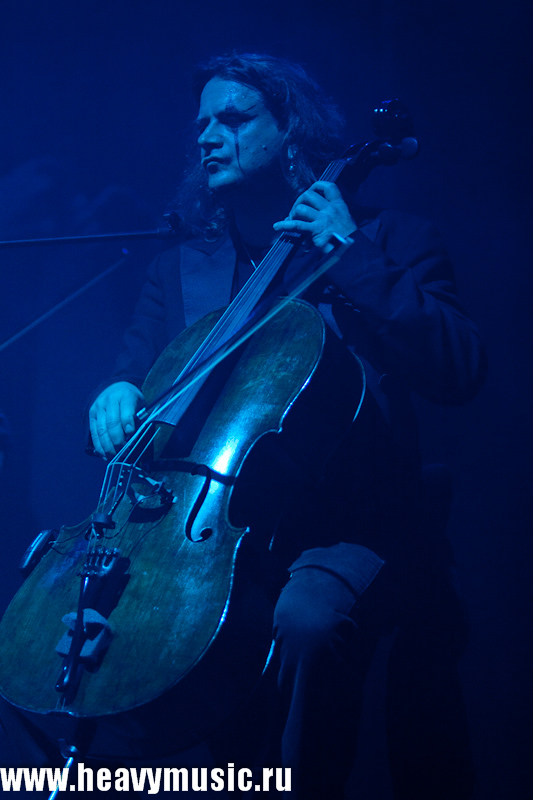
<point x="144" y="606"/>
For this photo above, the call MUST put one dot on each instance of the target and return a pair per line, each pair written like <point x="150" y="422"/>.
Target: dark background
<point x="95" y="103"/>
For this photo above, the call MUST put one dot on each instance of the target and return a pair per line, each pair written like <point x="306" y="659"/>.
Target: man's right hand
<point x="112" y="417"/>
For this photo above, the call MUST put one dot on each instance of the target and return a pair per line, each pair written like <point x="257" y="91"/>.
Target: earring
<point x="291" y="152"/>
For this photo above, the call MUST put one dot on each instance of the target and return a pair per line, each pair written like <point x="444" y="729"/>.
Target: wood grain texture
<point x="183" y="617"/>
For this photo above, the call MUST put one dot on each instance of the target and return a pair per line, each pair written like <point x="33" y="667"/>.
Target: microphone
<point x="175" y="223"/>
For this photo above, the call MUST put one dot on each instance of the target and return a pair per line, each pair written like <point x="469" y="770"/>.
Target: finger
<point x="327" y="190"/>
<point x="115" y="431"/>
<point x="127" y="410"/>
<point x="103" y="433"/>
<point x="312" y="198"/>
<point x="99" y="432"/>
<point x="304" y="212"/>
<point x="323" y="242"/>
<point x="94" y="435"/>
<point x="292" y="225"/>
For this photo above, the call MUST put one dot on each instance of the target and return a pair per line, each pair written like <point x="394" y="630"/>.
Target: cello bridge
<point x="100" y="561"/>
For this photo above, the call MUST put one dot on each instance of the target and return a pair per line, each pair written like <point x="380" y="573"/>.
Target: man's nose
<point x="210" y="138"/>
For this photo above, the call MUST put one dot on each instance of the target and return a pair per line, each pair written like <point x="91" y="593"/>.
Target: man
<point x="265" y="132"/>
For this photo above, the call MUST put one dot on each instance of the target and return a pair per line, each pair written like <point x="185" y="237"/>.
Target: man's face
<point x="239" y="138"/>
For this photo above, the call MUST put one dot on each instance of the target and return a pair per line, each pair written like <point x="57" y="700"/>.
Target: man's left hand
<point x="318" y="213"/>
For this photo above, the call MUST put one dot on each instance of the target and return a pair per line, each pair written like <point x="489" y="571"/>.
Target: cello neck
<point x="242" y="306"/>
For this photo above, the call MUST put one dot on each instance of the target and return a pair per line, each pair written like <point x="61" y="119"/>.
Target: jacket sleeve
<point x="147" y="334"/>
<point x="151" y="328"/>
<point x="398" y="299"/>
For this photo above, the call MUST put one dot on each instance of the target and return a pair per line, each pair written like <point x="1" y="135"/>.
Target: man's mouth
<point x="212" y="165"/>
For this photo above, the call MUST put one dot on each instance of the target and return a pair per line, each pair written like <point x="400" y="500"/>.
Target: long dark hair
<point x="311" y="122"/>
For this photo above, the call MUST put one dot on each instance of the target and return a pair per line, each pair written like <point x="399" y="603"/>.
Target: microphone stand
<point x="174" y="223"/>
<point x="391" y="122"/>
<point x="158" y="233"/>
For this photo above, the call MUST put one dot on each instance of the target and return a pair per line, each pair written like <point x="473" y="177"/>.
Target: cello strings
<point x="129" y="446"/>
<point x="243" y="303"/>
<point x="236" y="309"/>
<point x="233" y="318"/>
<point x="241" y="307"/>
<point x="228" y="324"/>
<point x="209" y="343"/>
<point x="234" y="314"/>
<point x="219" y="356"/>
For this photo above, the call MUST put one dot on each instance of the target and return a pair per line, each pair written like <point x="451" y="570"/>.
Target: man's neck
<point x="254" y="215"/>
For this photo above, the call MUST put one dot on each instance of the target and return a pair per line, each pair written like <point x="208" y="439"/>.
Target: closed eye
<point x="231" y="117"/>
<point x="233" y="120"/>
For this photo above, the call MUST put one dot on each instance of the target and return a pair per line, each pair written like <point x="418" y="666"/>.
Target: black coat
<point x="392" y="299"/>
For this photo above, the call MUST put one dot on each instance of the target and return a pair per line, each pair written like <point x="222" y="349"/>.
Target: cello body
<point x="188" y="609"/>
